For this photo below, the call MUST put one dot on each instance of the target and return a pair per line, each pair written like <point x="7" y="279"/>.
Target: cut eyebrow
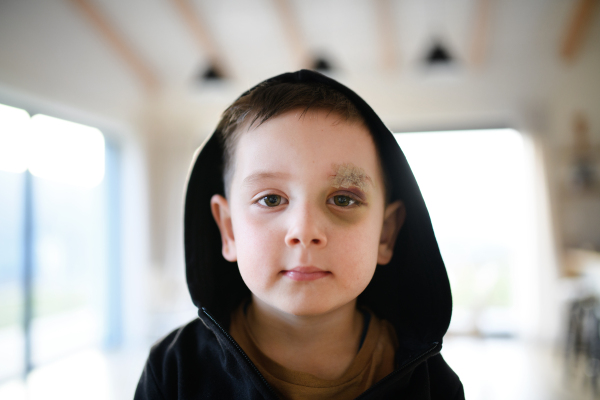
<point x="347" y="175"/>
<point x="258" y="176"/>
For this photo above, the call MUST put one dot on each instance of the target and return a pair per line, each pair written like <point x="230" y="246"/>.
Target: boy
<point x="311" y="257"/>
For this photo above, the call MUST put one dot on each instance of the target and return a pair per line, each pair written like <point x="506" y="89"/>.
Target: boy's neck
<point x="323" y="345"/>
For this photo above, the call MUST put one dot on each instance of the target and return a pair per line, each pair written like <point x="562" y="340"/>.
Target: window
<point x="474" y="184"/>
<point x="55" y="279"/>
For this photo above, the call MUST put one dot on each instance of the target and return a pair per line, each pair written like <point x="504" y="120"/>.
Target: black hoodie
<point x="201" y="360"/>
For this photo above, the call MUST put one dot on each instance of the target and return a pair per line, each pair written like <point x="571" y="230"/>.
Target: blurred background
<point x="496" y="104"/>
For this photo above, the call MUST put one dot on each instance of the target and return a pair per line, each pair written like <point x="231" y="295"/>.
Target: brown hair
<point x="271" y="99"/>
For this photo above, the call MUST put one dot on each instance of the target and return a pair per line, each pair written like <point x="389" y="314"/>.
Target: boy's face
<point x="306" y="218"/>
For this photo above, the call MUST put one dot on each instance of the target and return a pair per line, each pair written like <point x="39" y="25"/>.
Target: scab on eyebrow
<point x="348" y="175"/>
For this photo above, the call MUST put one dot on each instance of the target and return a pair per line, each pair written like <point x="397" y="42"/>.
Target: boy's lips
<point x="308" y="273"/>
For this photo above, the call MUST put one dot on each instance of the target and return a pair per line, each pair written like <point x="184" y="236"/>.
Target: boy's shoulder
<point x="192" y="337"/>
<point x="445" y="383"/>
<point x="193" y="361"/>
<point x="171" y="356"/>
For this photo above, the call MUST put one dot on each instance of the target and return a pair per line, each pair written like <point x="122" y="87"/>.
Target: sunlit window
<point x="66" y="152"/>
<point x="54" y="239"/>
<point x="13" y="139"/>
<point x="51" y="148"/>
<point x="474" y="185"/>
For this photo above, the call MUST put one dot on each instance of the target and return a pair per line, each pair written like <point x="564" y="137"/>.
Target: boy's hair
<point x="270" y="100"/>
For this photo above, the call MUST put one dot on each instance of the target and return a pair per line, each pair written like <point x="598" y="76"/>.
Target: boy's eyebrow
<point x="347" y="175"/>
<point x="257" y="176"/>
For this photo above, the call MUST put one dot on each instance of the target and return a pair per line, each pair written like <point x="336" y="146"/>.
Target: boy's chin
<point x="310" y="308"/>
<point x="303" y="311"/>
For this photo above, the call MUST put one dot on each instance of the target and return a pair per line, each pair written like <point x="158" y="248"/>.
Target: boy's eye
<point x="343" y="201"/>
<point x="271" y="200"/>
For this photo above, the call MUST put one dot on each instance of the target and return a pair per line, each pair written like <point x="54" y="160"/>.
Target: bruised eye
<point x="343" y="201"/>
<point x="271" y="200"/>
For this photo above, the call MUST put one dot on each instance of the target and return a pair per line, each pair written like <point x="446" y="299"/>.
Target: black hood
<point x="412" y="291"/>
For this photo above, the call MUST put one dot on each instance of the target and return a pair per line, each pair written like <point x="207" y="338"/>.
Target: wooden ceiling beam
<point x="95" y="17"/>
<point x="579" y="24"/>
<point x="481" y="29"/>
<point x="292" y="30"/>
<point x="202" y="36"/>
<point x="387" y="30"/>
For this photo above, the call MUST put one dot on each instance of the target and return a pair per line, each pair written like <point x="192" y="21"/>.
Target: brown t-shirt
<point x="374" y="360"/>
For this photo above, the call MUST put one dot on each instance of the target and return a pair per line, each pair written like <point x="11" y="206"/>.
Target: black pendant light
<point x="438" y="55"/>
<point x="211" y="74"/>
<point x="321" y="64"/>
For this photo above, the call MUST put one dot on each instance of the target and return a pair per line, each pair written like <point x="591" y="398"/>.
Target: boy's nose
<point x="305" y="230"/>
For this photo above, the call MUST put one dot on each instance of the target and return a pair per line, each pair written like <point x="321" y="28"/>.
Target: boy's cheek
<point x="257" y="229"/>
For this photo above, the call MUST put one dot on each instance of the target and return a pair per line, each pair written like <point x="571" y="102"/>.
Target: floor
<point x="493" y="369"/>
<point x="490" y="369"/>
<point x="89" y="374"/>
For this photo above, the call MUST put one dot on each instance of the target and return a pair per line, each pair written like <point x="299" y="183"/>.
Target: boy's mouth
<point x="308" y="273"/>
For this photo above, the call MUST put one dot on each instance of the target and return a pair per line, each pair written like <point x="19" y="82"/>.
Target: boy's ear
<point x="222" y="215"/>
<point x="393" y="219"/>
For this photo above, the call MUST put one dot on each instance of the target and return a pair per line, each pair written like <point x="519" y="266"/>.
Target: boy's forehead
<point x="341" y="176"/>
<point x="343" y="169"/>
